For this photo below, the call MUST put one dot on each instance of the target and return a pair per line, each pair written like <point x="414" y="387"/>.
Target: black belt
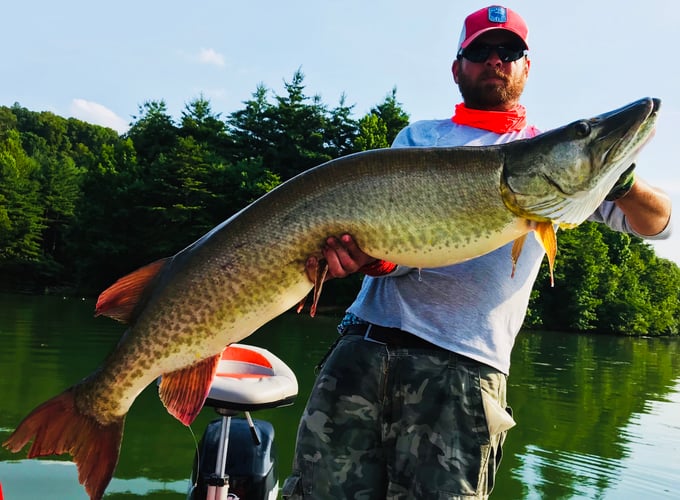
<point x="391" y="337"/>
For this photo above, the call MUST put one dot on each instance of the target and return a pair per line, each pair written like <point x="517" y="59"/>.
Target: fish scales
<point x="407" y="208"/>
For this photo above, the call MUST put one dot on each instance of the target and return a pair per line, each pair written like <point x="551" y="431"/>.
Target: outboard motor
<point x="236" y="459"/>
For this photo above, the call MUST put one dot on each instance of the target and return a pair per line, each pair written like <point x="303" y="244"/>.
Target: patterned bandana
<point x="499" y="122"/>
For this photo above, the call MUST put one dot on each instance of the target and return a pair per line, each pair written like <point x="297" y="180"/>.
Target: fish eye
<point x="583" y="128"/>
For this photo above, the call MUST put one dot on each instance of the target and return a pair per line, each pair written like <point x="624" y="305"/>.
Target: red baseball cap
<point x="491" y="18"/>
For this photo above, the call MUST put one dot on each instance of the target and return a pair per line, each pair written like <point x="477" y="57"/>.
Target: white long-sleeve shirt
<point x="473" y="308"/>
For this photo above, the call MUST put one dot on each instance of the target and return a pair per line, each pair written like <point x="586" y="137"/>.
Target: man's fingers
<point x="352" y="249"/>
<point x="336" y="257"/>
<point x="341" y="262"/>
<point x="342" y="255"/>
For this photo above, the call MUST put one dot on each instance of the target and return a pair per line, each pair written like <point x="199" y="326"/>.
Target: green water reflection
<point x="598" y="416"/>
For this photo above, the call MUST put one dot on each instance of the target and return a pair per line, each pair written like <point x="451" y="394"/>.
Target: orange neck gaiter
<point x="499" y="122"/>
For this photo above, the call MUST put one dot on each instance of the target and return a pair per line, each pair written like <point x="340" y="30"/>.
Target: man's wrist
<point x="378" y="268"/>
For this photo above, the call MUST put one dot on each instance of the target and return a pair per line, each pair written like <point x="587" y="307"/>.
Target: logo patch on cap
<point x="498" y="14"/>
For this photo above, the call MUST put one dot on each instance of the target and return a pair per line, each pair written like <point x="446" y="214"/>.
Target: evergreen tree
<point x="21" y="215"/>
<point x="381" y="125"/>
<point x="205" y="127"/>
<point x="341" y="130"/>
<point x="250" y="127"/>
<point x="299" y="130"/>
<point x="153" y="132"/>
<point x="392" y="114"/>
<point x="292" y="134"/>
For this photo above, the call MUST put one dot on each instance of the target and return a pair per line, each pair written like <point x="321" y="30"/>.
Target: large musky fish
<point x="421" y="207"/>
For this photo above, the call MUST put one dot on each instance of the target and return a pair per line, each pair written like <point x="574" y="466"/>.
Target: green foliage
<point x="607" y="282"/>
<point x="81" y="206"/>
<point x="372" y="133"/>
<point x="21" y="218"/>
<point x="153" y="131"/>
<point x="379" y="127"/>
<point x="293" y="132"/>
<point x="74" y="196"/>
<point x="392" y="114"/>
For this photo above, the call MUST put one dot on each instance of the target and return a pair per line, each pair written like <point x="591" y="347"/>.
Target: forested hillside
<point x="81" y="206"/>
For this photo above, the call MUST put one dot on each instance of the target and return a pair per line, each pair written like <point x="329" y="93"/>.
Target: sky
<point x="99" y="61"/>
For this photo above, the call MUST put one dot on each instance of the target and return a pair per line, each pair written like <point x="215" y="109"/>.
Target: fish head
<point x="563" y="175"/>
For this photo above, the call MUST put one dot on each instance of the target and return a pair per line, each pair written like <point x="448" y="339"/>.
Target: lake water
<point x="598" y="416"/>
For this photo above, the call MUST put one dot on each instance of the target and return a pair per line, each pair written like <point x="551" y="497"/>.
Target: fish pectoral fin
<point x="547" y="237"/>
<point x="184" y="391"/>
<point x="517" y="246"/>
<point x="120" y="299"/>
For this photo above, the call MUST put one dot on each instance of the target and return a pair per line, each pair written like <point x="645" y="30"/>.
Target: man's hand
<point x="343" y="257"/>
<point x="623" y="185"/>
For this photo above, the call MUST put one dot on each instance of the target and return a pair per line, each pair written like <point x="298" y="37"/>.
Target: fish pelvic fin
<point x="184" y="391"/>
<point x="301" y="305"/>
<point x="320" y="269"/>
<point x="320" y="278"/>
<point x="120" y="299"/>
<point x="547" y="237"/>
<point x="58" y="427"/>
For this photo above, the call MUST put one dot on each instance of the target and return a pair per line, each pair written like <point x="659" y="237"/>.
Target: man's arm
<point x="647" y="209"/>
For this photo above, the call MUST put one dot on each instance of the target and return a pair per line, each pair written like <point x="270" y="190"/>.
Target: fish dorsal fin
<point x="183" y="392"/>
<point x="547" y="237"/>
<point x="120" y="299"/>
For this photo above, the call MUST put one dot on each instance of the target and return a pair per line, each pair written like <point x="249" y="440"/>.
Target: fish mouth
<point x="638" y="135"/>
<point x="563" y="175"/>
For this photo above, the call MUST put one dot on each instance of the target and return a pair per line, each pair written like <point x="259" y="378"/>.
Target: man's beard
<point x="484" y="95"/>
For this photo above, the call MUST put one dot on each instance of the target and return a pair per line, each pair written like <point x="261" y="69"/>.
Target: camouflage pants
<point x="385" y="423"/>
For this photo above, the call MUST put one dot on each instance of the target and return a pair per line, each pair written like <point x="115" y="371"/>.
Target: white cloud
<point x="211" y="56"/>
<point x="98" y="114"/>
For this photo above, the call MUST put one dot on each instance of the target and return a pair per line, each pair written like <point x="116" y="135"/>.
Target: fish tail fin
<point x="57" y="427"/>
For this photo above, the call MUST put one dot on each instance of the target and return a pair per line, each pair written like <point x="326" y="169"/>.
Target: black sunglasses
<point x="480" y="52"/>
